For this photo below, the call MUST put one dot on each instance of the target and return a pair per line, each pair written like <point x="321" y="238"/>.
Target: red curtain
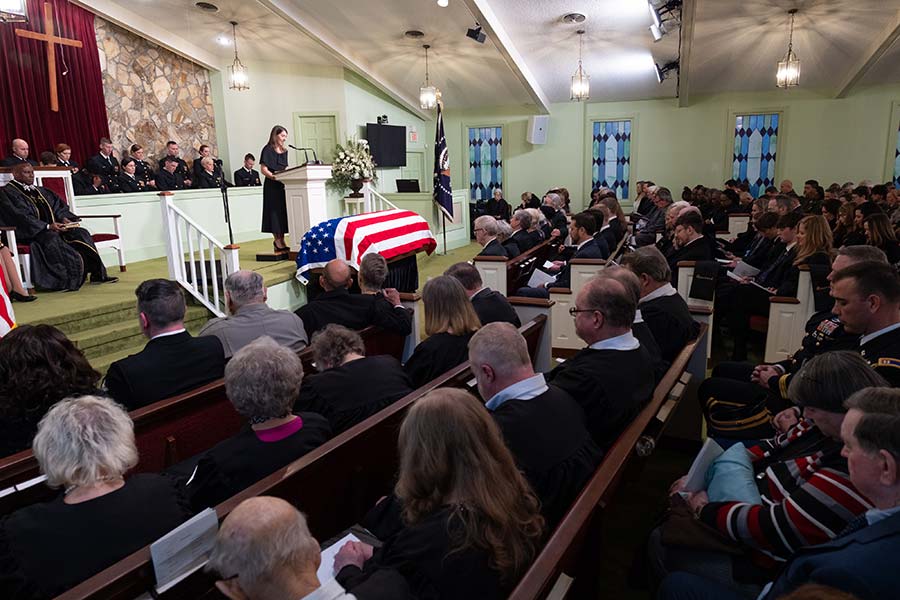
<point x="25" y="91"/>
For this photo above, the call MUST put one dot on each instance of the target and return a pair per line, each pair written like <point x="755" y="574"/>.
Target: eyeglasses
<point x="575" y="310"/>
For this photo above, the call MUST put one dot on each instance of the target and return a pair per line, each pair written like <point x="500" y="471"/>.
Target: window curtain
<point x="485" y="162"/>
<point x="611" y="156"/>
<point x="25" y="92"/>
<point x="754" y="156"/>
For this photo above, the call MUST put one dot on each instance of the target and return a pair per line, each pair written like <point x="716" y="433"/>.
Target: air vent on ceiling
<point x="414" y="34"/>
<point x="573" y="18"/>
<point x="206" y="6"/>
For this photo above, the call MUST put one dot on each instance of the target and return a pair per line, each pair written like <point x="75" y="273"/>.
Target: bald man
<point x="264" y="551"/>
<point x="354" y="311"/>
<point x="19" y="155"/>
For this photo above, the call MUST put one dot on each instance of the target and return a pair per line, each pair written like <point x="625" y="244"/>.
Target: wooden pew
<point x="737" y="224"/>
<point x="786" y="325"/>
<point x="702" y="310"/>
<point x="572" y="553"/>
<point x="334" y="485"/>
<point x="172" y="430"/>
<point x="506" y="275"/>
<point x="531" y="309"/>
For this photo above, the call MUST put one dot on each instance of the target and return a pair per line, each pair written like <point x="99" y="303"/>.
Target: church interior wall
<point x="153" y="95"/>
<point x="823" y="138"/>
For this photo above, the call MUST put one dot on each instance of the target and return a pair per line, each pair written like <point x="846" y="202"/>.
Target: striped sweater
<point x="807" y="497"/>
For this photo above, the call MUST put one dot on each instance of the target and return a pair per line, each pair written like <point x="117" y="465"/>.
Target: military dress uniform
<point x="883" y="354"/>
<point x="735" y="407"/>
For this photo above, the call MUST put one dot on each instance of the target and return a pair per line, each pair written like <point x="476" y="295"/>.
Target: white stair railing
<point x="193" y="254"/>
<point x="375" y="201"/>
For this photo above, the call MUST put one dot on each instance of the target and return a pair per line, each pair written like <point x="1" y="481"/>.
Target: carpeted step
<point x="125" y="334"/>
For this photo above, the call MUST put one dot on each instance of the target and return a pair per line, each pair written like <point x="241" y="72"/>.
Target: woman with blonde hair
<point x="450" y="321"/>
<point x="462" y="522"/>
<point x="814" y="241"/>
<point x="85" y="445"/>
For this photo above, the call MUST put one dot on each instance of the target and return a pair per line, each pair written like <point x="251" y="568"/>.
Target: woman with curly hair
<point x="39" y="366"/>
<point x="462" y="522"/>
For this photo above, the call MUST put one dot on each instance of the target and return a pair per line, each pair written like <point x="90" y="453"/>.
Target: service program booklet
<point x="539" y="278"/>
<point x="184" y="549"/>
<point x="326" y="567"/>
<point x="742" y="269"/>
<point x="696" y="477"/>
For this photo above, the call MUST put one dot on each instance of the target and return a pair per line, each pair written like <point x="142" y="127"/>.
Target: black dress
<point x="243" y="459"/>
<point x="422" y="554"/>
<point x="275" y="218"/>
<point x="437" y="355"/>
<point x="350" y="393"/>
<point x="50" y="547"/>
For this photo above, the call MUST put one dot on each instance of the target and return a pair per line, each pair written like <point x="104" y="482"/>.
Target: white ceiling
<point x="735" y="44"/>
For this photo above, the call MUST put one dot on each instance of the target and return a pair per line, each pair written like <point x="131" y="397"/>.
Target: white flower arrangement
<point x="352" y="161"/>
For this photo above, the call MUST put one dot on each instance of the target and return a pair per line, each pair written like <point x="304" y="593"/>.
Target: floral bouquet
<point x="352" y="164"/>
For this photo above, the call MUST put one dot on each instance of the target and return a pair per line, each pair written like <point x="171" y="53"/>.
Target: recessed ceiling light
<point x="414" y="34"/>
<point x="208" y="7"/>
<point x="573" y="18"/>
<point x="224" y="40"/>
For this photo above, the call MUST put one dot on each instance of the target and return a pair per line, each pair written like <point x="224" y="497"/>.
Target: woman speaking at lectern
<point x="273" y="159"/>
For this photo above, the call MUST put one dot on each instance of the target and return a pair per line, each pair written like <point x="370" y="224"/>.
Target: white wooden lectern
<point x="307" y="200"/>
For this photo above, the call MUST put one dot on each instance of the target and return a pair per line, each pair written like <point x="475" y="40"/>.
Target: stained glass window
<point x="755" y="145"/>
<point x="611" y="156"/>
<point x="485" y="161"/>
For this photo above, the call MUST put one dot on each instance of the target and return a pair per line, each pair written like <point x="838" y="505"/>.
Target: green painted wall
<point x="822" y="138"/>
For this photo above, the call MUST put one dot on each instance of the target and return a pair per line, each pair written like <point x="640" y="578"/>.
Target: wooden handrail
<point x="783" y="300"/>
<point x="542" y="574"/>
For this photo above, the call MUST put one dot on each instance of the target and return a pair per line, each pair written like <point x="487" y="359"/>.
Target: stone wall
<point x="153" y="95"/>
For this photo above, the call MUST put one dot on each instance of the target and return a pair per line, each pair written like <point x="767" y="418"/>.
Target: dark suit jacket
<point x="355" y="311"/>
<point x="610" y="385"/>
<point x="537" y="237"/>
<point x="12" y="160"/>
<point x="492" y="306"/>
<point x="106" y="168"/>
<point x="589" y="250"/>
<point x="775" y="273"/>
<point x="166" y="367"/>
<point x="512" y="248"/>
<point x="671" y="323"/>
<point x="166" y="181"/>
<point x="862" y="563"/>
<point x="559" y="221"/>
<point x="348" y="394"/>
<point x="494" y="248"/>
<point x="697" y="250"/>
<point x="523" y="240"/>
<point x="243" y="179"/>
<point x="551" y="445"/>
<point x="608" y="237"/>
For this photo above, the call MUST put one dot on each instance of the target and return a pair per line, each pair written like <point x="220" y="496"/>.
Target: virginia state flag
<point x="443" y="193"/>
<point x="7" y="317"/>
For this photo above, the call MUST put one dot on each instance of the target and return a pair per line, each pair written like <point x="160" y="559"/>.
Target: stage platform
<point x="102" y="321"/>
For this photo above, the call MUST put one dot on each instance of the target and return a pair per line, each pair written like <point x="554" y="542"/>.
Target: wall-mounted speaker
<point x="538" y="128"/>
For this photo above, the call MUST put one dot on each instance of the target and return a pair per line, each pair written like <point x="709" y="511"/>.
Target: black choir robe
<point x="437" y="355"/>
<point x="59" y="260"/>
<point x="245" y="178"/>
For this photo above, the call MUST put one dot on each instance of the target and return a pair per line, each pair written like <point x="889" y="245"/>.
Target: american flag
<point x="7" y="316"/>
<point x="390" y="233"/>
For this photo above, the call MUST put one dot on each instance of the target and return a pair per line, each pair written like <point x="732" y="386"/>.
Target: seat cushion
<point x="23" y="248"/>
<point x="103" y="237"/>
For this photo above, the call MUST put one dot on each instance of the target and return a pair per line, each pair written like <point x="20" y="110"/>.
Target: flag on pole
<point x="7" y="317"/>
<point x="443" y="193"/>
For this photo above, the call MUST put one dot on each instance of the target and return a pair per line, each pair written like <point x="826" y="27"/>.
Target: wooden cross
<point x="51" y="40"/>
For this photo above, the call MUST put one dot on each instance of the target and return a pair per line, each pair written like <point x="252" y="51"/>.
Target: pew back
<point x="565" y="340"/>
<point x="334" y="485"/>
<point x="506" y="275"/>
<point x="788" y="317"/>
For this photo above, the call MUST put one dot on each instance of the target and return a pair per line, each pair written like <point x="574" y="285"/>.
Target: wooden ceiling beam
<point x="688" y="12"/>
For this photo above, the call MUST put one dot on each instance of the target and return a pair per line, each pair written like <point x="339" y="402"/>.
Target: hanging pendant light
<point x="237" y="71"/>
<point x="581" y="81"/>
<point x="788" y="74"/>
<point x="427" y="93"/>
<point x="13" y="11"/>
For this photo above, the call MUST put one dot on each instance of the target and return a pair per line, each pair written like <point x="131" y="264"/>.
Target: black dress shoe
<point x="280" y="249"/>
<point x="106" y="279"/>
<point x="21" y="298"/>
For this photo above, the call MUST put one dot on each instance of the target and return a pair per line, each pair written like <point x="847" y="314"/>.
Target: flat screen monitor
<point x="387" y="144"/>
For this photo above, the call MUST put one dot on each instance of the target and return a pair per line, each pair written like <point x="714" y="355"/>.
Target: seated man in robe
<point x="62" y="254"/>
<point x="542" y="425"/>
<point x="168" y="178"/>
<point x="354" y="311"/>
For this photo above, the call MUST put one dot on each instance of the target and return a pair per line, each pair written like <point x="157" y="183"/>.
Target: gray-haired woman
<point x="85" y="446"/>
